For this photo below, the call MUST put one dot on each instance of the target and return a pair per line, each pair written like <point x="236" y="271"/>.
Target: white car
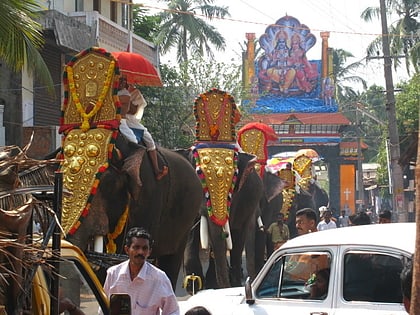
<point x="364" y="264"/>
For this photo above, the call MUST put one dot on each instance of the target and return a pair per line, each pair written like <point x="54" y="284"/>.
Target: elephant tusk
<point x="226" y="228"/>
<point x="204" y="233"/>
<point x="99" y="244"/>
<point x="260" y="223"/>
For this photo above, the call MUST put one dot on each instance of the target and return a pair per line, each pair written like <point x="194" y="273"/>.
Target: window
<point x="113" y="11"/>
<point x="73" y="285"/>
<point x="298" y="276"/>
<point x="79" y="5"/>
<point x="97" y="5"/>
<point x="373" y="277"/>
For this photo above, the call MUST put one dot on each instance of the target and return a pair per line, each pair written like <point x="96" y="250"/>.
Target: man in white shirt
<point x="326" y="223"/>
<point x="149" y="288"/>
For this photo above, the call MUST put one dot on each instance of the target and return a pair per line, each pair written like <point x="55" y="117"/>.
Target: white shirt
<point x="150" y="292"/>
<point x="322" y="225"/>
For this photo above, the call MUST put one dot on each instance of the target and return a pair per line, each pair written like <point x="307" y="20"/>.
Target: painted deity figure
<point x="278" y="71"/>
<point x="297" y="60"/>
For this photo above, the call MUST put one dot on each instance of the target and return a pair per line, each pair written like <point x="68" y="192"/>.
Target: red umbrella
<point x="137" y="69"/>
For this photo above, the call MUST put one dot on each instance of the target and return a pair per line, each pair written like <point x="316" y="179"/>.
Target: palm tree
<point x="404" y="32"/>
<point x="183" y="29"/>
<point x="343" y="76"/>
<point x="21" y="37"/>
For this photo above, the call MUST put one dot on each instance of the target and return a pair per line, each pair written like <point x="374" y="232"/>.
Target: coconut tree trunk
<point x="415" y="292"/>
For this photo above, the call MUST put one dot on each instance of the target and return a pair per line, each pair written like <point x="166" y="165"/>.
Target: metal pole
<point x="394" y="145"/>
<point x="56" y="243"/>
<point x="360" y="190"/>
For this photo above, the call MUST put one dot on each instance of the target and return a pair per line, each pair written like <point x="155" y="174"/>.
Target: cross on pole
<point x="347" y="192"/>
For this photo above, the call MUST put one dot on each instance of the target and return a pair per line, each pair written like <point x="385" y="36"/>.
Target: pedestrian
<point x="149" y="288"/>
<point x="326" y="223"/>
<point x="278" y="231"/>
<point x="132" y="107"/>
<point x="306" y="221"/>
<point x="385" y="217"/>
<point x="343" y="219"/>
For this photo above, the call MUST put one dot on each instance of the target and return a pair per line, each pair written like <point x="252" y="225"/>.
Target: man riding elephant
<point x="132" y="107"/>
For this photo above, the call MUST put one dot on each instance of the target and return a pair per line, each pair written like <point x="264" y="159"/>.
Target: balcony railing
<point x="114" y="37"/>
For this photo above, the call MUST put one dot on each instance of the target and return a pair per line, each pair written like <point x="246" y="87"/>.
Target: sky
<point x="340" y="17"/>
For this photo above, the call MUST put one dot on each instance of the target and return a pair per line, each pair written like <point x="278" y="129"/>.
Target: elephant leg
<point x="236" y="273"/>
<point x="211" y="281"/>
<point x="219" y="251"/>
<point x="171" y="265"/>
<point x="260" y="250"/>
<point x="192" y="262"/>
<point x="250" y="248"/>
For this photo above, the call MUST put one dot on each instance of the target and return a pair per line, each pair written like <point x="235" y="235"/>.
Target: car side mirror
<point x="249" y="297"/>
<point x="120" y="304"/>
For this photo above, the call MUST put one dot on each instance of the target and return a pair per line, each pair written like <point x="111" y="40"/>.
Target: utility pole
<point x="360" y="188"/>
<point x="396" y="171"/>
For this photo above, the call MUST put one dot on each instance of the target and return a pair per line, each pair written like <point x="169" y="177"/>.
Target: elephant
<point x="258" y="244"/>
<point x="166" y="207"/>
<point x="245" y="202"/>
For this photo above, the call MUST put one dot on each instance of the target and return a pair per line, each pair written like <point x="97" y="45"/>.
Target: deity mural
<point x="284" y="69"/>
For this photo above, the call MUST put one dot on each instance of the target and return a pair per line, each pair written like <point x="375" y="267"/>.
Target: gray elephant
<point x="166" y="207"/>
<point x="245" y="202"/>
<point x="258" y="243"/>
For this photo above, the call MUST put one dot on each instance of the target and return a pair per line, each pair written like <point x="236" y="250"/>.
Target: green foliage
<point x="182" y="29"/>
<point x="145" y="25"/>
<point x="345" y="76"/>
<point x="169" y="115"/>
<point x="407" y="105"/>
<point x="403" y="31"/>
<point x="407" y="108"/>
<point x="21" y="37"/>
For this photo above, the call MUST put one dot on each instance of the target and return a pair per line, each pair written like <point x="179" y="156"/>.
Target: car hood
<point x="217" y="301"/>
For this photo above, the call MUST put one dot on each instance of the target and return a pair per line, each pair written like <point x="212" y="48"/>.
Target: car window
<point x="373" y="277"/>
<point x="297" y="276"/>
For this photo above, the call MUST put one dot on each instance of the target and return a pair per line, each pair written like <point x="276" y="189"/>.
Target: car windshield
<point x="297" y="276"/>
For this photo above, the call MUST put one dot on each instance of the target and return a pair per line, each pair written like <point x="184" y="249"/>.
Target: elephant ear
<point x="273" y="185"/>
<point x="246" y="165"/>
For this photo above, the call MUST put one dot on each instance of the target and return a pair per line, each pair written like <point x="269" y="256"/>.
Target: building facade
<point x="69" y="27"/>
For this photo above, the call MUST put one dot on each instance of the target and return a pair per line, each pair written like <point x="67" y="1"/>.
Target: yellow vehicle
<point x="78" y="283"/>
<point x="39" y="271"/>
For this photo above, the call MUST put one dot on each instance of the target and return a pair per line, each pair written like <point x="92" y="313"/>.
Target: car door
<point x="370" y="281"/>
<point x="287" y="285"/>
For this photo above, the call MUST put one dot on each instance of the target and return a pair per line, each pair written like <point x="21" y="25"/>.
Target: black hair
<point x="407" y="278"/>
<point x="360" y="218"/>
<point x="122" y="84"/>
<point x="198" y="310"/>
<point x="386" y="214"/>
<point x="137" y="232"/>
<point x="308" y="212"/>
